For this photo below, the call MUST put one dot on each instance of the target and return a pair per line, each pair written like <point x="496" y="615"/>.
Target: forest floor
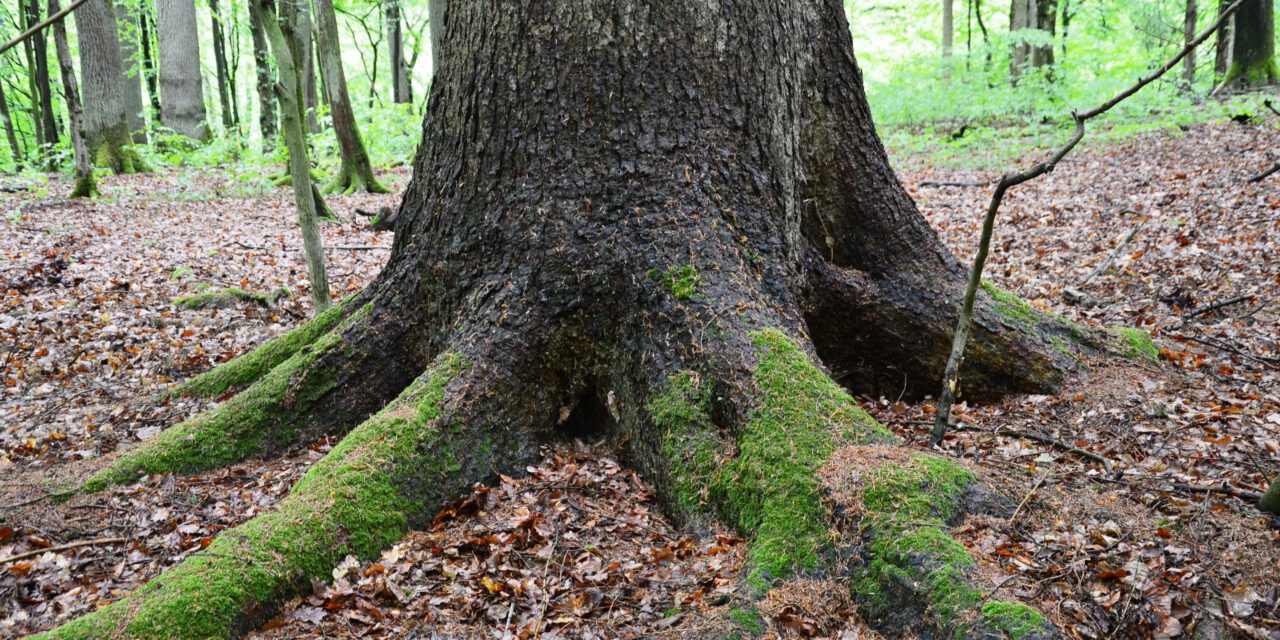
<point x="1129" y="548"/>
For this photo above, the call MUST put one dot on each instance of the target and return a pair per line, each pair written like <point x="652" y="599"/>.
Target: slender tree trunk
<point x="148" y="61"/>
<point x="658" y="221"/>
<point x="1020" y="12"/>
<point x="15" y="151"/>
<point x="436" y="10"/>
<point x="233" y="67"/>
<point x="30" y="11"/>
<point x="298" y="15"/>
<point x="40" y="49"/>
<point x="356" y="174"/>
<point x="1222" y="49"/>
<point x="1253" y="45"/>
<point x="948" y="27"/>
<point x="1046" y="18"/>
<point x="1066" y="29"/>
<point x="262" y="70"/>
<point x="287" y="48"/>
<point x="220" y="66"/>
<point x="131" y="34"/>
<point x="181" y="85"/>
<point x="85" y="187"/>
<point x="1189" y="34"/>
<point x="400" y="90"/>
<point x="106" y="124"/>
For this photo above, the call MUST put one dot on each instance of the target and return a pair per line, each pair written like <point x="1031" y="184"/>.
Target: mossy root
<point x="360" y="498"/>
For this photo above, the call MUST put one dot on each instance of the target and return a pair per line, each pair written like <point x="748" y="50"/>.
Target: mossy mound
<point x="230" y="296"/>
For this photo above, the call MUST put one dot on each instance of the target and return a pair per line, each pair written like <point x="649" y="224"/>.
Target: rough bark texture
<point x="181" y="87"/>
<point x="655" y="222"/>
<point x="355" y="174"/>
<point x="130" y="37"/>
<point x="85" y="187"/>
<point x="1253" y="46"/>
<point x="106" y="124"/>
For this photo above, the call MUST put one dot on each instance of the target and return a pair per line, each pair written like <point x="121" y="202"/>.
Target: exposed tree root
<point x="386" y="476"/>
<point x="249" y="367"/>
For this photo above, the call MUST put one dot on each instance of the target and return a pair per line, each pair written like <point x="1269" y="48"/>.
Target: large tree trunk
<point x="1253" y="45"/>
<point x="106" y="121"/>
<point x="131" y="34"/>
<point x="355" y="174"/>
<point x="656" y="221"/>
<point x="181" y="86"/>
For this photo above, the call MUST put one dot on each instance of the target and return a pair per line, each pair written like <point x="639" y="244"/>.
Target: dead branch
<point x="949" y="183"/>
<point x="1216" y="305"/>
<point x="1007" y="181"/>
<point x="1263" y="176"/>
<point x="1223" y="489"/>
<point x="1115" y="252"/>
<point x="61" y="547"/>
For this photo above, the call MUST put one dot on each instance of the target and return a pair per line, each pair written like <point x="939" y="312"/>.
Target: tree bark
<point x="662" y="222"/>
<point x="1025" y="15"/>
<point x="181" y="86"/>
<point x="148" y="60"/>
<point x="436" y="10"/>
<point x="948" y="27"/>
<point x="262" y="70"/>
<point x="1253" y="45"/>
<point x="355" y="174"/>
<point x="131" y="34"/>
<point x="40" y="50"/>
<point x="15" y="151"/>
<point x="85" y="186"/>
<point x="106" y="124"/>
<point x="1189" y="34"/>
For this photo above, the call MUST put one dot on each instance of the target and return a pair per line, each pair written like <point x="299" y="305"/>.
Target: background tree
<point x="86" y="186"/>
<point x="131" y="34"/>
<point x="1253" y="45"/>
<point x="181" y="87"/>
<point x="106" y="124"/>
<point x="287" y="46"/>
<point x="355" y="172"/>
<point x="401" y="90"/>
<point x="1031" y="26"/>
<point x="226" y="97"/>
<point x="265" y="80"/>
<point x="149" y="73"/>
<point x="612" y="220"/>
<point x="39" y="74"/>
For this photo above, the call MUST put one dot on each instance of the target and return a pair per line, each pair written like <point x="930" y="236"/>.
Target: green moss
<point x="249" y="367"/>
<point x="86" y="186"/>
<point x="1010" y="307"/>
<point x="683" y="412"/>
<point x="1138" y="344"/>
<point x="228" y="297"/>
<point x="349" y="502"/>
<point x="1258" y="74"/>
<point x="906" y="511"/>
<point x="771" y="489"/>
<point x="747" y="620"/>
<point x="682" y="281"/>
<point x="1014" y="619"/>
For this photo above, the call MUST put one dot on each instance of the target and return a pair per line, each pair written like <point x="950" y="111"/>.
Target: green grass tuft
<point x="682" y="281"/>
<point x="1014" y="619"/>
<point x="1138" y="344"/>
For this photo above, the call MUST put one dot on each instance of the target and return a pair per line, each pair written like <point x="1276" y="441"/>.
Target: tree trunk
<point x="355" y="174"/>
<point x="148" y="60"/>
<point x="85" y="187"/>
<point x="1025" y="15"/>
<point x="1253" y="45"/>
<point x="1188" y="35"/>
<point x="106" y="123"/>
<point x="400" y="90"/>
<point x="435" y="20"/>
<point x="225" y="98"/>
<point x="30" y="13"/>
<point x="131" y="34"/>
<point x="655" y="221"/>
<point x="40" y="50"/>
<point x="288" y="46"/>
<point x="262" y="70"/>
<point x="1222" y="47"/>
<point x="181" y="86"/>
<point x="948" y="27"/>
<point x="15" y="151"/>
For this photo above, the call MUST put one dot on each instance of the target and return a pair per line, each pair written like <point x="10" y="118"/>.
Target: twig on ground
<point x="360" y="247"/>
<point x="964" y="323"/>
<point x="1216" y="305"/>
<point x="1115" y="252"/>
<point x="950" y="183"/>
<point x="1054" y="442"/>
<point x="61" y="547"/>
<point x="1263" y="176"/>
<point x="1223" y="489"/>
<point x="1044" y="476"/>
<point x="1270" y="362"/>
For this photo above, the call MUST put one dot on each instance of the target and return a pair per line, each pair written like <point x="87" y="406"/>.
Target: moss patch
<point x="747" y="620"/>
<point x="1014" y="619"/>
<point x="681" y="281"/>
<point x="228" y="297"/>
<point x="249" y="367"/>
<point x="690" y="444"/>
<point x="1137" y="343"/>
<point x="349" y="502"/>
<point x="1013" y="309"/>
